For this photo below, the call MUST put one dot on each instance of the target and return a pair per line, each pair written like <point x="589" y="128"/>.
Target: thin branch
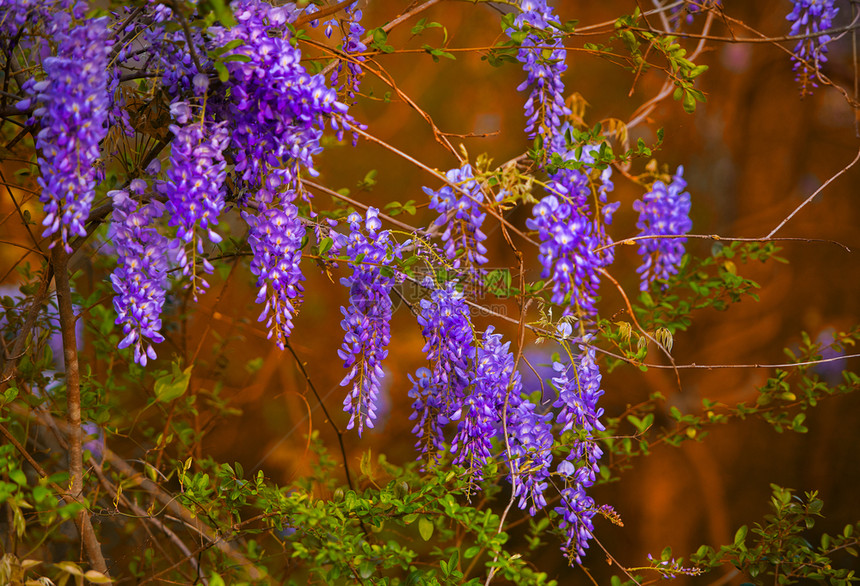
<point x="138" y="511"/>
<point x="328" y="417"/>
<point x="634" y="239"/>
<point x="73" y="403"/>
<point x="817" y="191"/>
<point x="387" y="27"/>
<point x="322" y="13"/>
<point x="189" y="38"/>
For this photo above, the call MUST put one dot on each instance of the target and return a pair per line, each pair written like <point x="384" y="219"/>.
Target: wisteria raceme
<point x="275" y="237"/>
<point x="460" y="212"/>
<point x="140" y="278"/>
<point x="810" y="17"/>
<point x="278" y="110"/>
<point x="494" y="382"/>
<point x="530" y="439"/>
<point x="366" y="320"/>
<point x="543" y="57"/>
<point x="73" y="113"/>
<point x="567" y="253"/>
<point x="579" y="390"/>
<point x="447" y="331"/>
<point x="429" y="414"/>
<point x="195" y="189"/>
<point x="665" y="210"/>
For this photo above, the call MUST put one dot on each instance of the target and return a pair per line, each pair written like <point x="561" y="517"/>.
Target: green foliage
<point x="778" y="551"/>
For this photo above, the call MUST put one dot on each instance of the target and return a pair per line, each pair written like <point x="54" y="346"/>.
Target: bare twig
<point x="811" y="197"/>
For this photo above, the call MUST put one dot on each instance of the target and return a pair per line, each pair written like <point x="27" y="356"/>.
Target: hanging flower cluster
<point x="567" y="254"/>
<point x="278" y="109"/>
<point x="543" y="57"/>
<point x="810" y="17"/>
<point x="140" y="278"/>
<point x="663" y="211"/>
<point x="461" y="213"/>
<point x="530" y="438"/>
<point x="439" y="392"/>
<point x="482" y="409"/>
<point x="579" y="390"/>
<point x="366" y="320"/>
<point x="73" y="113"/>
<point x="275" y="237"/>
<point x="195" y="191"/>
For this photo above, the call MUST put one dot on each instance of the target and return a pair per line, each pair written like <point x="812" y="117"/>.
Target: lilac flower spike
<point x="809" y="17"/>
<point x="460" y="212"/>
<point x="140" y="278"/>
<point x="665" y="210"/>
<point x="366" y="320"/>
<point x="73" y="112"/>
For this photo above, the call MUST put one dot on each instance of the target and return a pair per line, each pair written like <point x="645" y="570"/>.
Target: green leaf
<point x="741" y="534"/>
<point x="172" y="386"/>
<point x="425" y="528"/>
<point x="223" y="73"/>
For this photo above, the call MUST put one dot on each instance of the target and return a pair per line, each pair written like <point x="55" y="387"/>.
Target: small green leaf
<point x="172" y="386"/>
<point x="223" y="73"/>
<point x="425" y="528"/>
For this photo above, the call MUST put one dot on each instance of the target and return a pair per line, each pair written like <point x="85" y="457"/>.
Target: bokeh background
<point x="752" y="154"/>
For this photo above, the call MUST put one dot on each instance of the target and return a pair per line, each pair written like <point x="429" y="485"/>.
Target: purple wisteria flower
<point x="543" y="57"/>
<point x="275" y="237"/>
<point x="366" y="320"/>
<point x="278" y="110"/>
<point x="568" y="241"/>
<point x="195" y="189"/>
<point x="579" y="390"/>
<point x="483" y="408"/>
<point x="665" y="210"/>
<point x="170" y="50"/>
<point x="530" y="439"/>
<point x="810" y="17"/>
<point x="439" y="394"/>
<point x="140" y="278"/>
<point x="16" y="15"/>
<point x="351" y="45"/>
<point x="429" y="414"/>
<point x="461" y="214"/>
<point x="73" y="113"/>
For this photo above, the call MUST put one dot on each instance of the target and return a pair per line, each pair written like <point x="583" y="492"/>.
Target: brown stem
<point x="73" y="404"/>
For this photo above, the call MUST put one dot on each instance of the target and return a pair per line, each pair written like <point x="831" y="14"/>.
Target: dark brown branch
<point x="73" y="404"/>
<point x="189" y="38"/>
<point x="322" y="13"/>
